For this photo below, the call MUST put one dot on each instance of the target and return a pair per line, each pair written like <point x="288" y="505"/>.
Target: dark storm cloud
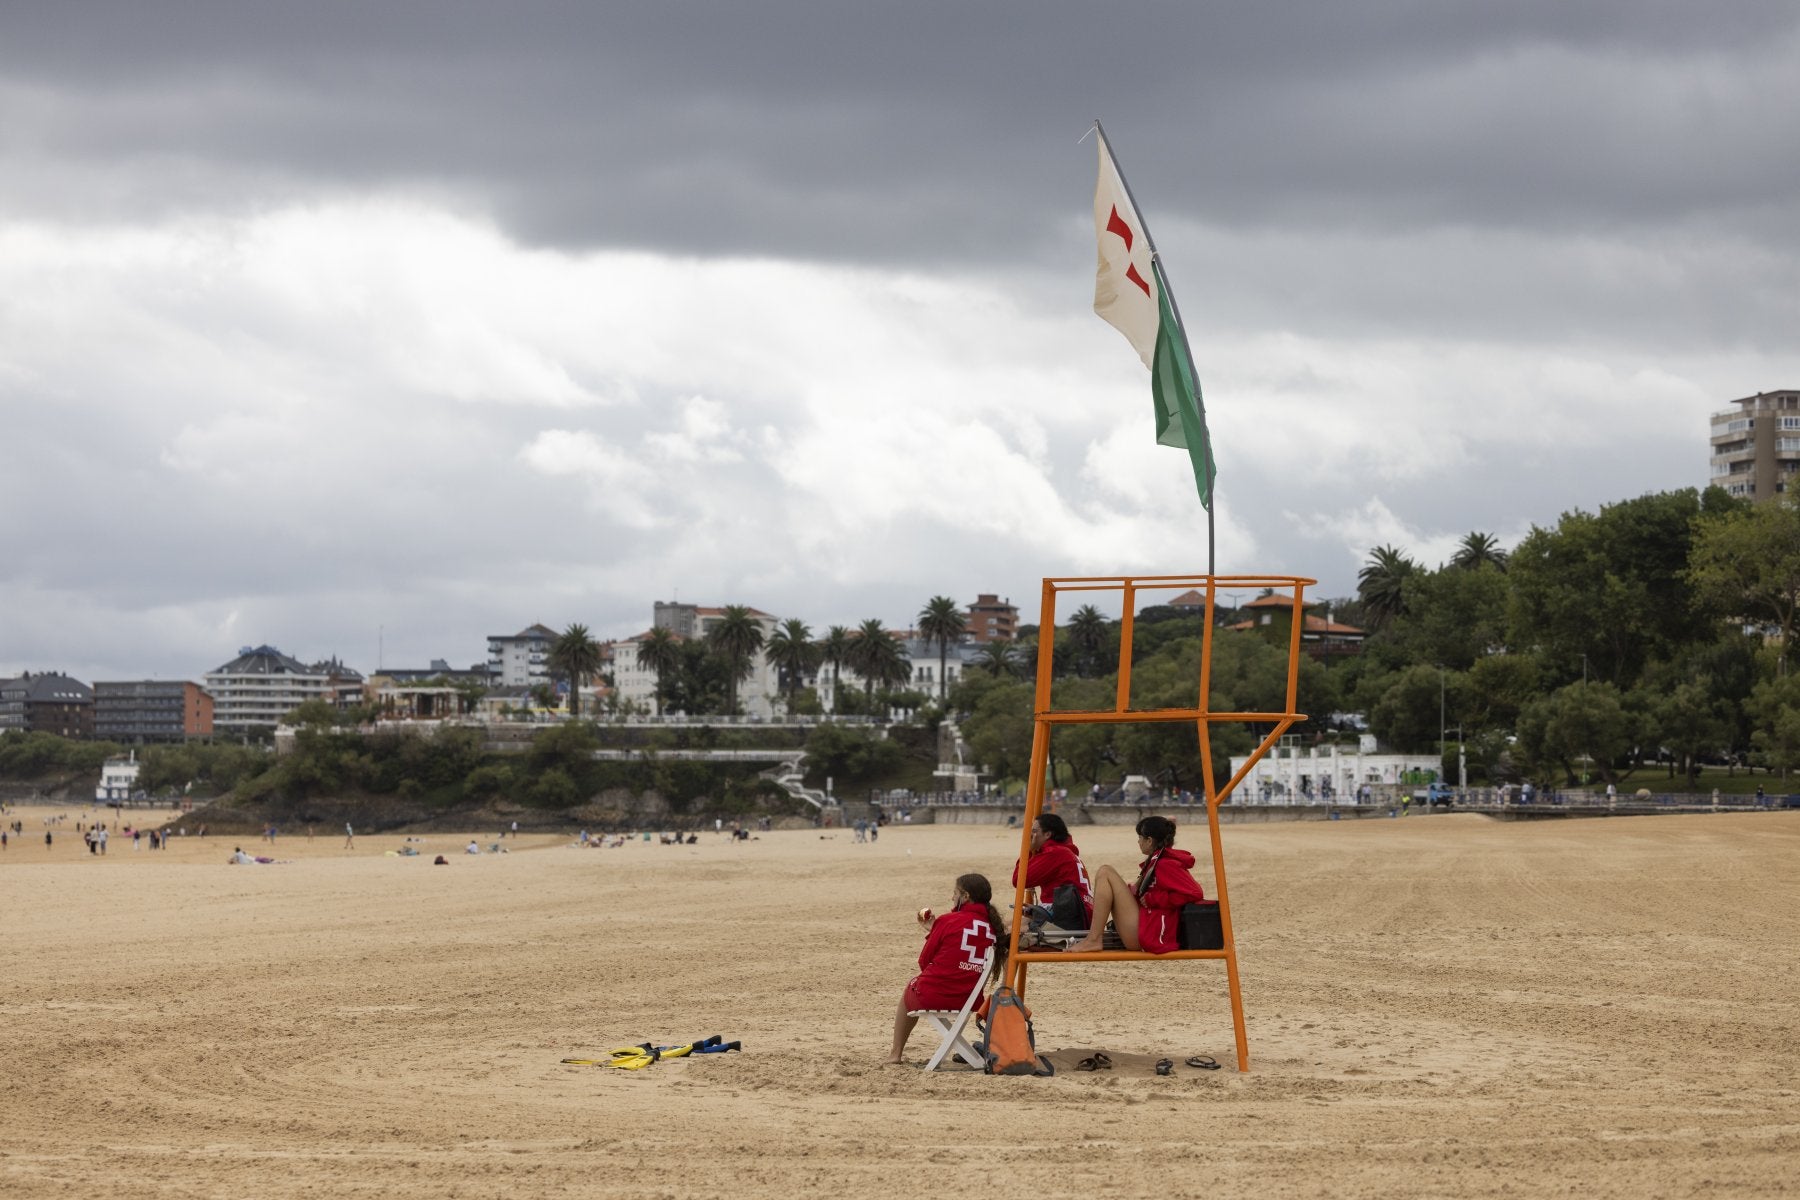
<point x="919" y="132"/>
<point x="280" y="359"/>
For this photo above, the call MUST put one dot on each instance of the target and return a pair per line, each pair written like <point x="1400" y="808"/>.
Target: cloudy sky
<point x="372" y="329"/>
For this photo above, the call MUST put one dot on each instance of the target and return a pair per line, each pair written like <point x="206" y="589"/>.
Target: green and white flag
<point x="1132" y="296"/>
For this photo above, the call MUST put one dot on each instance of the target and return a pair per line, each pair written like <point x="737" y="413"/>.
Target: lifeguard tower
<point x="1290" y="590"/>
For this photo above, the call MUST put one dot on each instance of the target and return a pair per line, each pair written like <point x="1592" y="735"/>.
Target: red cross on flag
<point x="1131" y="295"/>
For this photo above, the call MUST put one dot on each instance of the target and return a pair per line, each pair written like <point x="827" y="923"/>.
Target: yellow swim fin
<point x="633" y="1060"/>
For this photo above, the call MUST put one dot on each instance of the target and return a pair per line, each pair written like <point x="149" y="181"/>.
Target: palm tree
<point x="875" y="656"/>
<point x="660" y="651"/>
<point x="791" y="652"/>
<point x="999" y="658"/>
<point x="834" y="648"/>
<point x="576" y="657"/>
<point x="1478" y="549"/>
<point x="942" y="621"/>
<point x="1382" y="584"/>
<point x="735" y="637"/>
<point x="1087" y="630"/>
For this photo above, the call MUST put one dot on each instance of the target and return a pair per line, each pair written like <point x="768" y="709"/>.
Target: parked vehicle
<point x="1437" y="795"/>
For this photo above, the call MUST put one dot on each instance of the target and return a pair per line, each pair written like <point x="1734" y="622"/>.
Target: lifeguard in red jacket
<point x="1056" y="860"/>
<point x="956" y="947"/>
<point x="1147" y="914"/>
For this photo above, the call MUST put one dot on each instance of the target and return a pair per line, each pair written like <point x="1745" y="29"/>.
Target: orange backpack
<point x="1007" y="1041"/>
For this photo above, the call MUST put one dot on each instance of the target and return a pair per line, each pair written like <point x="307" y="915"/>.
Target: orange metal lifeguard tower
<point x="1292" y="588"/>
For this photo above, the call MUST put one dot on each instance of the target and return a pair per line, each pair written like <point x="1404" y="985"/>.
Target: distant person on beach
<point x="48" y="838"/>
<point x="472" y="848"/>
<point x="1055" y="862"/>
<point x="1147" y="914"/>
<point x="956" y="945"/>
<point x="349" y="836"/>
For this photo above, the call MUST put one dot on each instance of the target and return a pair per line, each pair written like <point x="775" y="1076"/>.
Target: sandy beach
<point x="1438" y="1006"/>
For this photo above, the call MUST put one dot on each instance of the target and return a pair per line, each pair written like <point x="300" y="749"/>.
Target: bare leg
<point x="903" y="1027"/>
<point x="1113" y="898"/>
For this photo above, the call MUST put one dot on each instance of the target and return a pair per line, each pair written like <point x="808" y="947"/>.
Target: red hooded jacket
<point x="1056" y="864"/>
<point x="950" y="962"/>
<point x="1165" y="883"/>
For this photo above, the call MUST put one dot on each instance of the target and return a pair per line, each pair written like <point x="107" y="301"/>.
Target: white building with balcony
<point x="521" y="659"/>
<point x="1756" y="445"/>
<point x="759" y="693"/>
<point x="1293" y="774"/>
<point x="262" y="685"/>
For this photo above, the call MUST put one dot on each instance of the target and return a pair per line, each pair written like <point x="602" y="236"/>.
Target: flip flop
<point x="1205" y="1062"/>
<point x="1164" y="1065"/>
<point x="1097" y="1062"/>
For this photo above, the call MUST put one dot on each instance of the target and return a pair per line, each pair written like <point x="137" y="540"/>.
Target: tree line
<point x="1653" y="631"/>
<point x="701" y="676"/>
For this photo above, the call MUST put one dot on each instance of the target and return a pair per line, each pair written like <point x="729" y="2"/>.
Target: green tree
<point x="1452" y="617"/>
<point x="1688" y="721"/>
<point x="999" y="659"/>
<point x="1500" y="686"/>
<point x="1087" y="637"/>
<point x="1580" y="725"/>
<point x="1746" y="562"/>
<point x="1479" y="550"/>
<point x="576" y="657"/>
<point x="1774" y="711"/>
<point x="849" y="754"/>
<point x="1381" y="584"/>
<point x="943" y="622"/>
<point x="660" y="653"/>
<point x="792" y="653"/>
<point x="999" y="731"/>
<point x="735" y="637"/>
<point x="1416" y="705"/>
<point x="316" y="713"/>
<point x="877" y="657"/>
<point x="834" y="649"/>
<point x="1086" y="749"/>
<point x="699" y="684"/>
<point x="1609" y="588"/>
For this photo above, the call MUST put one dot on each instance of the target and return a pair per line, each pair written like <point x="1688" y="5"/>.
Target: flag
<point x="1132" y="296"/>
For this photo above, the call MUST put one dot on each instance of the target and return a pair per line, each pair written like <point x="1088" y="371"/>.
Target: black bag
<point x="1066" y="908"/>
<point x="1200" y="928"/>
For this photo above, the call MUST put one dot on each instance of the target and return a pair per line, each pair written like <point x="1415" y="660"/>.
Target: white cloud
<point x="306" y="424"/>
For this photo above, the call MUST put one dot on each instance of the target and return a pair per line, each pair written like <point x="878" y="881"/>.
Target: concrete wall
<point x="1128" y="815"/>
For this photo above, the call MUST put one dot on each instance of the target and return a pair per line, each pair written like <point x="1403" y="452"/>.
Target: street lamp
<point x="1440" y="718"/>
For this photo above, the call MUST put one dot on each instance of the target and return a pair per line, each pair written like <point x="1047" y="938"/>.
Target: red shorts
<point x="933" y="998"/>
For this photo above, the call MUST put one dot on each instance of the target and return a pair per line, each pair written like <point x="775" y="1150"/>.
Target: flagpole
<point x="1180" y="325"/>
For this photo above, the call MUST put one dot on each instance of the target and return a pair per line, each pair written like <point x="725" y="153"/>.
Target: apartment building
<point x="1756" y="445"/>
<point x="521" y="659"/>
<point x="757" y="692"/>
<point x="262" y="685"/>
<point x="47" y="702"/>
<point x="151" y="710"/>
<point x="992" y="619"/>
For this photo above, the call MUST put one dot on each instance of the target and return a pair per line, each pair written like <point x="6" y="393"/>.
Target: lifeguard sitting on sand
<point x="1147" y="914"/>
<point x="956" y="947"/>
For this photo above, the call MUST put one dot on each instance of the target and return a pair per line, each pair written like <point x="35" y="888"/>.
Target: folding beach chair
<point x="950" y="1023"/>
